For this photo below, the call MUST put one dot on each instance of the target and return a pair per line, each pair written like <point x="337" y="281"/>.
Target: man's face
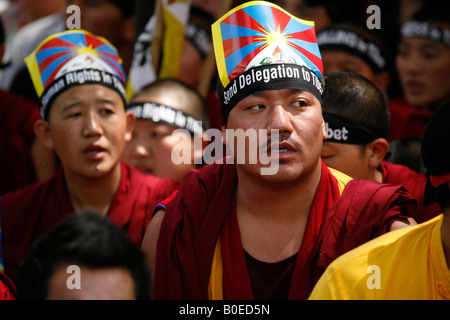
<point x="88" y="128"/>
<point x="297" y="116"/>
<point x="350" y="159"/>
<point x="150" y="150"/>
<point x="338" y="61"/>
<point x="424" y="69"/>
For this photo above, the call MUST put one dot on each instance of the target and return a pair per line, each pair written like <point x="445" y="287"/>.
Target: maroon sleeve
<point x="365" y="211"/>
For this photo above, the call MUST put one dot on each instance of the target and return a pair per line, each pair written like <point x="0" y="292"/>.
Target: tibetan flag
<point x="259" y="33"/>
<point x="68" y="51"/>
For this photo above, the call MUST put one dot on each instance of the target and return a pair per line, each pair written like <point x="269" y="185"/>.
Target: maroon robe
<point x="406" y="120"/>
<point x="203" y="209"/>
<point x="32" y="212"/>
<point x="17" y="118"/>
<point x="414" y="182"/>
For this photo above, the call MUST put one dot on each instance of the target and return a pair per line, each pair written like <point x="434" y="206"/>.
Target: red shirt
<point x="32" y="212"/>
<point x="406" y="120"/>
<point x="414" y="182"/>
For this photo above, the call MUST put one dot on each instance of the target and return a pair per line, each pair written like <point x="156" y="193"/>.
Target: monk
<point x="357" y="121"/>
<point x="235" y="231"/>
<point x="80" y="82"/>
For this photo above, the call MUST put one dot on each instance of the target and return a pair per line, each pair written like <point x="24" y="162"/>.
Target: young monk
<point x="161" y="108"/>
<point x="233" y="232"/>
<point x="423" y="66"/>
<point x="80" y="82"/>
<point x="357" y="122"/>
<point x="347" y="47"/>
<point x="409" y="264"/>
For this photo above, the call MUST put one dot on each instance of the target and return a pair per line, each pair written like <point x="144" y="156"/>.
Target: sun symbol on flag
<point x="270" y="36"/>
<point x="83" y="49"/>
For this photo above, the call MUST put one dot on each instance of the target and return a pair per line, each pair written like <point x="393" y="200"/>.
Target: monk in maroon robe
<point x="254" y="230"/>
<point x="83" y="120"/>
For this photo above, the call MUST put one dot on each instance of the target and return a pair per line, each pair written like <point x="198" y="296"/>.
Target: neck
<point x="272" y="217"/>
<point x="445" y="231"/>
<point x="286" y="199"/>
<point x="93" y="193"/>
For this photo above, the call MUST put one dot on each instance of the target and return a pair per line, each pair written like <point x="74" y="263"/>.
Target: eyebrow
<point x="97" y="101"/>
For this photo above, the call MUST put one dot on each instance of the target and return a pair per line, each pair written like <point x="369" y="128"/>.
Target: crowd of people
<point x="355" y="117"/>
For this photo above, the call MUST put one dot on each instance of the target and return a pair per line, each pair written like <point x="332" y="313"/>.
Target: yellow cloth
<point x="405" y="264"/>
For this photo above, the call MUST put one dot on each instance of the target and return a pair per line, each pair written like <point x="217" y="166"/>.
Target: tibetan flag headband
<point x="70" y="58"/>
<point x="259" y="46"/>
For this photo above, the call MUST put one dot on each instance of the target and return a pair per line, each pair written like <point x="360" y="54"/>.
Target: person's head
<point x="406" y="151"/>
<point x="357" y="121"/>
<point x="423" y="59"/>
<point x="113" y="20"/>
<point x="32" y="10"/>
<point x="87" y="257"/>
<point x="273" y="87"/>
<point x="346" y="47"/>
<point x="80" y="83"/>
<point x="436" y="158"/>
<point x="196" y="47"/>
<point x="160" y="108"/>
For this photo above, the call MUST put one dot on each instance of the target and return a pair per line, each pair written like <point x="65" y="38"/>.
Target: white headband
<point x="425" y="30"/>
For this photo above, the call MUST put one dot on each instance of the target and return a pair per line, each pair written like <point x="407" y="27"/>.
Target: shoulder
<point x="137" y="180"/>
<point x="26" y="194"/>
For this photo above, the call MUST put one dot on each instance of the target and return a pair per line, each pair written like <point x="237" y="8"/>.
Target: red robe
<point x="414" y="182"/>
<point x="8" y="290"/>
<point x="406" y="120"/>
<point x="32" y="212"/>
<point x="17" y="118"/>
<point x="203" y="209"/>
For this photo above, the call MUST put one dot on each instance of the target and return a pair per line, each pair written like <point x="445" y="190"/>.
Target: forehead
<point x="278" y="94"/>
<point x="88" y="93"/>
<point x="421" y="43"/>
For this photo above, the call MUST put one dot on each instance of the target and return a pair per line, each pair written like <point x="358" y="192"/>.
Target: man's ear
<point x="379" y="148"/>
<point x="131" y="120"/>
<point x="382" y="81"/>
<point x="42" y="132"/>
<point x="324" y="130"/>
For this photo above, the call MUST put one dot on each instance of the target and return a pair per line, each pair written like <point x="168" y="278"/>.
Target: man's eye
<point x="158" y="135"/>
<point x="300" y="104"/>
<point x="257" y="107"/>
<point x="74" y="115"/>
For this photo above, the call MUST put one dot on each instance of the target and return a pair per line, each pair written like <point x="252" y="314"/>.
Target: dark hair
<point x="353" y="96"/>
<point x="87" y="239"/>
<point x="406" y="151"/>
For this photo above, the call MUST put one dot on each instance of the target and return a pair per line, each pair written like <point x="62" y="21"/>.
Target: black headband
<point x="341" y="129"/>
<point x="426" y="30"/>
<point x="167" y="115"/>
<point x="199" y="38"/>
<point x="79" y="77"/>
<point x="269" y="77"/>
<point x="348" y="41"/>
